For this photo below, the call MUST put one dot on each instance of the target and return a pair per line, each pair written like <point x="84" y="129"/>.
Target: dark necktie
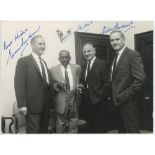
<point x="115" y="63"/>
<point x="67" y="80"/>
<point x="88" y="68"/>
<point x="43" y="70"/>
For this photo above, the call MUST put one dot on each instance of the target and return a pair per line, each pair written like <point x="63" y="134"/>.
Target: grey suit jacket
<point x="128" y="77"/>
<point x="60" y="97"/>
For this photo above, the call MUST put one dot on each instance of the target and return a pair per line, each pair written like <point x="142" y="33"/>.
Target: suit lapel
<point x="84" y="71"/>
<point x="60" y="75"/>
<point x="93" y="67"/>
<point x="119" y="62"/>
<point x="35" y="65"/>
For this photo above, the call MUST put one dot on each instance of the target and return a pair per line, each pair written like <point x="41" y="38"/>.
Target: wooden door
<point x="100" y="42"/>
<point x="144" y="45"/>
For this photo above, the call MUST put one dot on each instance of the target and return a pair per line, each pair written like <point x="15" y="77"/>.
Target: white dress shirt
<point x="70" y="76"/>
<point x="36" y="57"/>
<point x="118" y="57"/>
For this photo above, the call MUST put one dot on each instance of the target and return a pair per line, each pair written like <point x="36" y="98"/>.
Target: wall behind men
<point x="58" y="35"/>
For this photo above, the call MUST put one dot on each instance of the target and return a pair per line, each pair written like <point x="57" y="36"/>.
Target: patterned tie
<point x="43" y="70"/>
<point x="67" y="80"/>
<point x="114" y="64"/>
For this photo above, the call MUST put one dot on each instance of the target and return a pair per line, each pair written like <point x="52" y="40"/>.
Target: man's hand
<point x="23" y="111"/>
<point x="80" y="88"/>
<point x="57" y="86"/>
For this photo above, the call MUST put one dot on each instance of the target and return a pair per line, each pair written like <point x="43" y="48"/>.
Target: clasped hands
<point x="59" y="85"/>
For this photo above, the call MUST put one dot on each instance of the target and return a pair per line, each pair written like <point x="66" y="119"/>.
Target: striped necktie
<point x="43" y="70"/>
<point x="67" y="80"/>
<point x="114" y="64"/>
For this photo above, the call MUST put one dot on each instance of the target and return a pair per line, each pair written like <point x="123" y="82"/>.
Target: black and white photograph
<point x="77" y="77"/>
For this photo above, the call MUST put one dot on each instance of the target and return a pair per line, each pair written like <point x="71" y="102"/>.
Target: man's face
<point x="117" y="41"/>
<point x="64" y="58"/>
<point x="38" y="46"/>
<point x="89" y="52"/>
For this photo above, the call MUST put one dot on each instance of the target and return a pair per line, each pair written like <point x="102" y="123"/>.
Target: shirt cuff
<point x="23" y="109"/>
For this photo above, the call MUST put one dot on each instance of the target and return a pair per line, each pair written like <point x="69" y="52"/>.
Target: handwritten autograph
<point x="118" y="26"/>
<point x="20" y="40"/>
<point x="69" y="32"/>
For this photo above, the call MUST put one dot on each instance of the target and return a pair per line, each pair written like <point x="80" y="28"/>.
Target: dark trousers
<point x="94" y="114"/>
<point x="39" y="122"/>
<point x="126" y="117"/>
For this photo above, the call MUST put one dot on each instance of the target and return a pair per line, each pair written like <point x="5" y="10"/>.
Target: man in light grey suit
<point x="66" y="79"/>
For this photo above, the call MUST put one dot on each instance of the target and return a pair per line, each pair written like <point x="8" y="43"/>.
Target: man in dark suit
<point x="127" y="76"/>
<point x="94" y="78"/>
<point x="32" y="88"/>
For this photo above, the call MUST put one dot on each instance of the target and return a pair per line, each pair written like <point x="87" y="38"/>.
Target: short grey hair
<point x="33" y="39"/>
<point x="64" y="51"/>
<point x="120" y="32"/>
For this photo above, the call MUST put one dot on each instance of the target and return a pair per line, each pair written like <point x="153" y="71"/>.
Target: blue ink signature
<point x="22" y="37"/>
<point x="118" y="26"/>
<point x="69" y="32"/>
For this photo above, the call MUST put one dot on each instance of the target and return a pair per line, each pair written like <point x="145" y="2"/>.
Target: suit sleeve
<point x="78" y="74"/>
<point x="82" y="76"/>
<point x="20" y="83"/>
<point x="137" y="72"/>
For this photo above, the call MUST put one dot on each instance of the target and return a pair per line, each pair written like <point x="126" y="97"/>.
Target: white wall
<point x="53" y="45"/>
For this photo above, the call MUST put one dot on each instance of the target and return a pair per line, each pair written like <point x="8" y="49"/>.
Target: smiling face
<point x="64" y="57"/>
<point x="117" y="41"/>
<point x="89" y="52"/>
<point x="38" y="45"/>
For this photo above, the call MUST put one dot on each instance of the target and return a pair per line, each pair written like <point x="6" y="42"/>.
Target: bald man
<point x="32" y="88"/>
<point x="66" y="79"/>
<point x="94" y="77"/>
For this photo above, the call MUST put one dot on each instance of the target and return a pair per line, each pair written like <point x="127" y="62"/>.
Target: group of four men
<point x="39" y="89"/>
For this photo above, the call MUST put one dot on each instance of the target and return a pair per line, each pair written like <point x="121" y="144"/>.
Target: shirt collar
<point x="92" y="61"/>
<point x="35" y="56"/>
<point x="64" y="67"/>
<point x="121" y="51"/>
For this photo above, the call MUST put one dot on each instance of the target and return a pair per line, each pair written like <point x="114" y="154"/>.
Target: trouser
<point x="94" y="114"/>
<point x="68" y="122"/>
<point x="39" y="122"/>
<point x="127" y="117"/>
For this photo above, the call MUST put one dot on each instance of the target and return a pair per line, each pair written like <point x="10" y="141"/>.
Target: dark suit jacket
<point x="128" y="77"/>
<point x="29" y="85"/>
<point x="97" y="80"/>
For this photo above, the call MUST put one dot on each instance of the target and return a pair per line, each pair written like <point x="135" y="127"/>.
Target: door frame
<point x="89" y="37"/>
